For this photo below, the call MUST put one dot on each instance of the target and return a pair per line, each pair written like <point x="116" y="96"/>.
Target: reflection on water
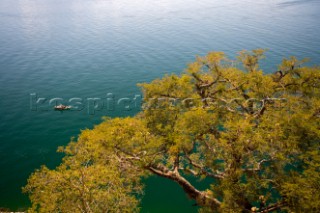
<point x="82" y="48"/>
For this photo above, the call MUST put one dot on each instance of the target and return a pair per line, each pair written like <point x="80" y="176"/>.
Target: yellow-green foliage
<point x="254" y="135"/>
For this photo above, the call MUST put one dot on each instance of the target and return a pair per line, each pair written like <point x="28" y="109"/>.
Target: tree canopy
<point x="255" y="135"/>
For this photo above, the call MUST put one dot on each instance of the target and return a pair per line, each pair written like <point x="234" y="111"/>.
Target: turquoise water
<point x="88" y="48"/>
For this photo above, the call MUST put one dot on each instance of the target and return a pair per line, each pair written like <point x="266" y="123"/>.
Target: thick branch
<point x="201" y="197"/>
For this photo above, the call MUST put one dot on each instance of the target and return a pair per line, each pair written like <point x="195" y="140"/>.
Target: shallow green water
<point x="86" y="49"/>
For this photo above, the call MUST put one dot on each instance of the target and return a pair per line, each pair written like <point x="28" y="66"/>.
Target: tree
<point x="88" y="180"/>
<point x="256" y="136"/>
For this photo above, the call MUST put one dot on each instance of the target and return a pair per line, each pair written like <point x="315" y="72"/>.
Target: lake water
<point x="89" y="48"/>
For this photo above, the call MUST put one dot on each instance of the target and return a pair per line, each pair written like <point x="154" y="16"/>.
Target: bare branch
<point x="258" y="168"/>
<point x="273" y="207"/>
<point x="197" y="77"/>
<point x="203" y="171"/>
<point x="201" y="197"/>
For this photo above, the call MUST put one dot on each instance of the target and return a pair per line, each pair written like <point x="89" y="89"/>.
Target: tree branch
<point x="273" y="207"/>
<point x="201" y="197"/>
<point x="203" y="170"/>
<point x="258" y="168"/>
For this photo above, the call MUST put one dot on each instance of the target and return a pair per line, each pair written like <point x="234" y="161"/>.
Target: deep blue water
<point x="88" y="48"/>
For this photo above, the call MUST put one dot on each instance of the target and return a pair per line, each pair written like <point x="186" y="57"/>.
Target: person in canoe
<point x="62" y="107"/>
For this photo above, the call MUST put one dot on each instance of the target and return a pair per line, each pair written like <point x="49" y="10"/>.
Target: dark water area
<point x="88" y="49"/>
